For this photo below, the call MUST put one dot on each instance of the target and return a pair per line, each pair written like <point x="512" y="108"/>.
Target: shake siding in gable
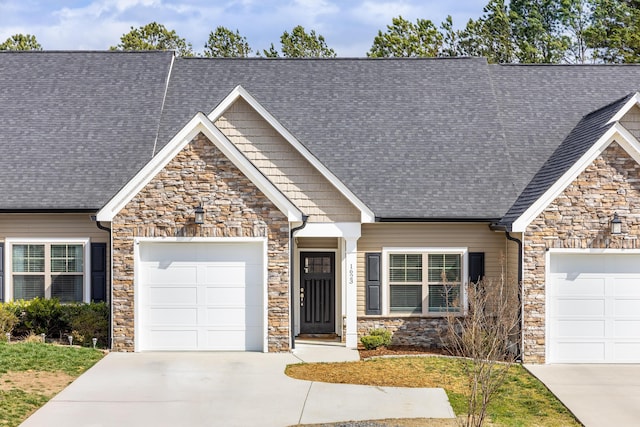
<point x="284" y="166"/>
<point x="631" y="121"/>
<point x="499" y="253"/>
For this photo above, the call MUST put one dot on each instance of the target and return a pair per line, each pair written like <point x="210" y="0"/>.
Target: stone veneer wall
<point x="578" y="218"/>
<point x="412" y="331"/>
<point x="234" y="207"/>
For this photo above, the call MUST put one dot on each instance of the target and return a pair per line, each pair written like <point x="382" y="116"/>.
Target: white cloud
<point x="349" y="26"/>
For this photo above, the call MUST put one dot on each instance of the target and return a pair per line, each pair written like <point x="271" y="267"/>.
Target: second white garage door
<point x="200" y="296"/>
<point x="594" y="308"/>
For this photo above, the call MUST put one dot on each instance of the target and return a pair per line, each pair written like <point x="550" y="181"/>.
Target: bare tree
<point x="485" y="334"/>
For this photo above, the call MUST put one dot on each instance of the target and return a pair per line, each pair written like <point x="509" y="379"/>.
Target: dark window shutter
<point x="476" y="266"/>
<point x="98" y="272"/>
<point x="373" y="291"/>
<point x="1" y="272"/>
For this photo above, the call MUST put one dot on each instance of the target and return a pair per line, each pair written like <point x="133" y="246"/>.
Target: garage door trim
<point x="159" y="240"/>
<point x="548" y="280"/>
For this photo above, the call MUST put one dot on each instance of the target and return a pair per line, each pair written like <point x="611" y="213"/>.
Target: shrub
<point x="38" y="316"/>
<point x="8" y="320"/>
<point x="377" y="338"/>
<point x="90" y="321"/>
<point x="55" y="320"/>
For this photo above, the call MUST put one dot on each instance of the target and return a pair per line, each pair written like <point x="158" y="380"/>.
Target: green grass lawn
<point x="32" y="373"/>
<point x="522" y="401"/>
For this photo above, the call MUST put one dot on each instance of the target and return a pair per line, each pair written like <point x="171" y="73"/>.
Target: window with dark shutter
<point x="476" y="266"/>
<point x="98" y="272"/>
<point x="373" y="288"/>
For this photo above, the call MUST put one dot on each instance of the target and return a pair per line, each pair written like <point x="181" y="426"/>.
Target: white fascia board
<point x="635" y="100"/>
<point x="331" y="229"/>
<point x="199" y="123"/>
<point x="617" y="133"/>
<point x="366" y="214"/>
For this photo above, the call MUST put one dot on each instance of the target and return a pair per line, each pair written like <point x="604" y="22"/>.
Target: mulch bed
<point x="401" y="350"/>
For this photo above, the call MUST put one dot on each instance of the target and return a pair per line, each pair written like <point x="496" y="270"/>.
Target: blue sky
<point x="348" y="26"/>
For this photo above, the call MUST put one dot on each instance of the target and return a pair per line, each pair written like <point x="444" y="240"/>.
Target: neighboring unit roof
<point x="76" y="126"/>
<point x="578" y="142"/>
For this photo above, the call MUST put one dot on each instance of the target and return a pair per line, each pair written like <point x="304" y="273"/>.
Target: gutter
<point x="292" y="281"/>
<point x="495" y="227"/>
<point x="435" y="219"/>
<point x="109" y="331"/>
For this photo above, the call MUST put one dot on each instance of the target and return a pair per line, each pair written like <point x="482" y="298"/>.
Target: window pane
<point x="444" y="298"/>
<point x="28" y="258"/>
<point x="66" y="258"/>
<point x="445" y="268"/>
<point x="405" y="267"/>
<point x="406" y="298"/>
<point x="28" y="287"/>
<point x="67" y="288"/>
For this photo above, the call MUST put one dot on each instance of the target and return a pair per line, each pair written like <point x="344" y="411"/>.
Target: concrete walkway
<point x="598" y="395"/>
<point x="226" y="389"/>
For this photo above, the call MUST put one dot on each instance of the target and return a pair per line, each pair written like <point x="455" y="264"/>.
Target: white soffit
<point x="199" y="123"/>
<point x="366" y="214"/>
<point x="616" y="133"/>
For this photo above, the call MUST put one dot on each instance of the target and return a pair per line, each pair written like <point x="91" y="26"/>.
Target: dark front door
<point x="317" y="292"/>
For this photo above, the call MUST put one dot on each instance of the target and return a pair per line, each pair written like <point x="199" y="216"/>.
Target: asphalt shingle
<point x="76" y="126"/>
<point x="438" y="138"/>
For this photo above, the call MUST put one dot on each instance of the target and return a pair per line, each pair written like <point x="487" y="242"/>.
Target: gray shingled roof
<point x="578" y="142"/>
<point x="452" y="138"/>
<point x="410" y="137"/>
<point x="76" y="126"/>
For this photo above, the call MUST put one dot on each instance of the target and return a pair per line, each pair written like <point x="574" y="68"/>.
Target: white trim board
<point x="366" y="214"/>
<point x="616" y="133"/>
<point x="199" y="123"/>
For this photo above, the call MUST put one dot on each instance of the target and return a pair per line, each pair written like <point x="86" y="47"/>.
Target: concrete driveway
<point x="598" y="395"/>
<point x="225" y="389"/>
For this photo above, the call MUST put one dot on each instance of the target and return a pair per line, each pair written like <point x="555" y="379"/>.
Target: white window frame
<point x="8" y="262"/>
<point x="386" y="292"/>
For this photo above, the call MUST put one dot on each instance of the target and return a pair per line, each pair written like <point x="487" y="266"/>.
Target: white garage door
<point x="594" y="308"/>
<point x="201" y="296"/>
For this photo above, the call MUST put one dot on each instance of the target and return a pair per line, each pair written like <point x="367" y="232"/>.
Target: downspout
<point x="108" y="230"/>
<point x="520" y="319"/>
<point x="292" y="281"/>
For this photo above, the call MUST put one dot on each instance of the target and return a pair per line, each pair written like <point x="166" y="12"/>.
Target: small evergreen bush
<point x="377" y="338"/>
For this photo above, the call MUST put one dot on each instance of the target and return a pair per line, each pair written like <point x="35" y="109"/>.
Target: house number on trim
<point x="351" y="274"/>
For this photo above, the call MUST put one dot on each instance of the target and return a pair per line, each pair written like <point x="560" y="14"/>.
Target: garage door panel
<point x="172" y="295"/>
<point x="627" y="307"/>
<point x="627" y="286"/>
<point x="579" y="328"/>
<point x="580" y="352"/>
<point x="578" y="286"/>
<point x="627" y="329"/>
<point x="580" y="307"/>
<point x="201" y="296"/>
<point x="168" y="339"/>
<point x="229" y="316"/>
<point x="172" y="316"/>
<point x="626" y="352"/>
<point x="159" y="275"/>
<point x="230" y="340"/>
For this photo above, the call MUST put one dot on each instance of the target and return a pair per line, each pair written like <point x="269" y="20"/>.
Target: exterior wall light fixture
<point x="199" y="215"/>
<point x="616" y="224"/>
